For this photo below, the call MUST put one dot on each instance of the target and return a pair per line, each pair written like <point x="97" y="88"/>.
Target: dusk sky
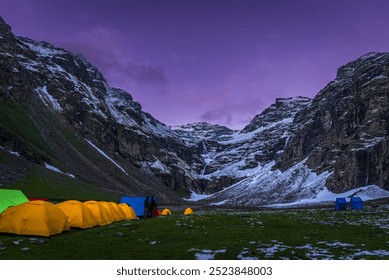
<point x="212" y="60"/>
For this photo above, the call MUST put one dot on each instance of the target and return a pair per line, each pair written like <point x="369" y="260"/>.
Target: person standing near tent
<point x="154" y="208"/>
<point x="147" y="207"/>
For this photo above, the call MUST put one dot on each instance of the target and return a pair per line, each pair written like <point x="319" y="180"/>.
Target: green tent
<point x="11" y="198"/>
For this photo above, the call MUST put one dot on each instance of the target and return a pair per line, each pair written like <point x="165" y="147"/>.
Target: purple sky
<point x="216" y="61"/>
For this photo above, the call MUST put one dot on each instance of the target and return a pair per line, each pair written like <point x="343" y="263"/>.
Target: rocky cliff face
<point x="345" y="130"/>
<point x="338" y="143"/>
<point x="76" y="92"/>
<point x="295" y="149"/>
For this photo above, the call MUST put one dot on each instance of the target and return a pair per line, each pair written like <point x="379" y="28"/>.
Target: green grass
<point x="58" y="187"/>
<point x="77" y="143"/>
<point x="282" y="234"/>
<point x="15" y="118"/>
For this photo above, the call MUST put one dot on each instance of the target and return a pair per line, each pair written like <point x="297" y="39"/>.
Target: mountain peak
<point x="5" y="31"/>
<point x="200" y="126"/>
<point x="4" y="27"/>
<point x="372" y="55"/>
<point x="364" y="63"/>
<point x="283" y="108"/>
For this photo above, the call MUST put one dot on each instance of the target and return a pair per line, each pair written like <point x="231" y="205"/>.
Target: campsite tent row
<point x="43" y="218"/>
<point x="18" y="215"/>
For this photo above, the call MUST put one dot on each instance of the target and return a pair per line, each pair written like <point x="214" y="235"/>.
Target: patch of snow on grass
<point x="242" y="255"/>
<point x="15" y="153"/>
<point x="269" y="250"/>
<point x="220" y="202"/>
<point x="380" y="253"/>
<point x="55" y="169"/>
<point x="316" y="253"/>
<point x="48" y="166"/>
<point x="196" y="196"/>
<point x="11" y="152"/>
<point x="336" y="244"/>
<point x="106" y="156"/>
<point x="207" y="254"/>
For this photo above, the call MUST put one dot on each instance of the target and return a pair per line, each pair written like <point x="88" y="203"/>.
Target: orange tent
<point x="166" y="212"/>
<point x="34" y="218"/>
<point x="99" y="212"/>
<point x="188" y="211"/>
<point x="128" y="211"/>
<point x="79" y="215"/>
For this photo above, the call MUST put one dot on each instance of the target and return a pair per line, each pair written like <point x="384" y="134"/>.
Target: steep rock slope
<point x="52" y="86"/>
<point x="345" y="130"/>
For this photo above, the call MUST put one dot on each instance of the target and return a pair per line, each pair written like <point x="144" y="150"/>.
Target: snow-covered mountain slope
<point x="337" y="144"/>
<point x="297" y="185"/>
<point x="196" y="133"/>
<point x="236" y="155"/>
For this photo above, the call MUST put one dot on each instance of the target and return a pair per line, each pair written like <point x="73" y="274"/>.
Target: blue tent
<point x="341" y="204"/>
<point x="356" y="203"/>
<point x="137" y="203"/>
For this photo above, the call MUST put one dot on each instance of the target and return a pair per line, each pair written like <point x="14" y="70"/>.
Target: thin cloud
<point x="234" y="114"/>
<point x="108" y="50"/>
<point x="145" y="74"/>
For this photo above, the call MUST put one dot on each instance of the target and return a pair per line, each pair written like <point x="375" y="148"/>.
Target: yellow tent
<point x="119" y="210"/>
<point x="79" y="215"/>
<point x="34" y="218"/>
<point x="166" y="212"/>
<point x="99" y="212"/>
<point x="128" y="211"/>
<point x="188" y="211"/>
<point x="112" y="210"/>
